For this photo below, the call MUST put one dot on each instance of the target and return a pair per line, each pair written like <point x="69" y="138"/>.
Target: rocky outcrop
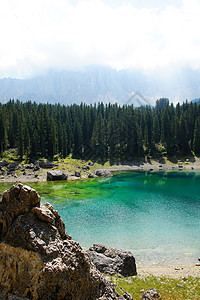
<point x="56" y="176"/>
<point x="112" y="261"/>
<point x="38" y="260"/>
<point x="103" y="173"/>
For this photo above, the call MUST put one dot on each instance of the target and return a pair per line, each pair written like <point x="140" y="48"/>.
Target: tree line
<point x="100" y="131"/>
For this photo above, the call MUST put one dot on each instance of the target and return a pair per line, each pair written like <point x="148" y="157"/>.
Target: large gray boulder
<point x="12" y="167"/>
<point x="38" y="260"/>
<point x="56" y="176"/>
<point x="46" y="164"/>
<point x="3" y="163"/>
<point x="103" y="173"/>
<point x="112" y="261"/>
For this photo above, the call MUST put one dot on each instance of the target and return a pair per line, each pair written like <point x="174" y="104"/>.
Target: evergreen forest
<point x="101" y="131"/>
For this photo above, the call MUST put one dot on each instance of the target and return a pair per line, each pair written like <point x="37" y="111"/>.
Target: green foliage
<point x="162" y="103"/>
<point x="166" y="287"/>
<point x="99" y="132"/>
<point x="196" y="142"/>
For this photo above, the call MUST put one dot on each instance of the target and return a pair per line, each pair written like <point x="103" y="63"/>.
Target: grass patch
<point x="166" y="287"/>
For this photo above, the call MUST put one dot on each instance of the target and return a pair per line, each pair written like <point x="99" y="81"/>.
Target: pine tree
<point x="3" y="135"/>
<point x="77" y="150"/>
<point x="20" y="140"/>
<point x="27" y="142"/>
<point x="196" y="143"/>
<point x="183" y="136"/>
<point x="156" y="129"/>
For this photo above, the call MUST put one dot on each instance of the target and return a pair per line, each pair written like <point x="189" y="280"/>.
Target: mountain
<point x="197" y="100"/>
<point x="100" y="83"/>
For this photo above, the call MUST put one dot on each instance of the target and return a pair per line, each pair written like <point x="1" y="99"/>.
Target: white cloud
<point x="40" y="35"/>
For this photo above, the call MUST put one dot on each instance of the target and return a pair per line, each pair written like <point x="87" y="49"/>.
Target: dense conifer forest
<point x="101" y="131"/>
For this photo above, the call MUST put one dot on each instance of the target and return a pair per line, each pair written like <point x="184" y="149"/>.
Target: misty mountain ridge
<point x="104" y="84"/>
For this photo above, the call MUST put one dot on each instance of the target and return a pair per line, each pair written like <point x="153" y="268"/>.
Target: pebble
<point x="180" y="285"/>
<point x="108" y="279"/>
<point x="127" y="296"/>
<point x="184" y="279"/>
<point x="198" y="264"/>
<point x="151" y="294"/>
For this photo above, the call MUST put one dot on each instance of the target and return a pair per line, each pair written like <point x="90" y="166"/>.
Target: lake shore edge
<point x="179" y="271"/>
<point x="138" y="165"/>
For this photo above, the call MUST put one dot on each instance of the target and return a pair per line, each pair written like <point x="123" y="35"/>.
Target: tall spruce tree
<point x="196" y="143"/>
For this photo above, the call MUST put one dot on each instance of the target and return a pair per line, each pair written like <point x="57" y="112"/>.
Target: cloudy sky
<point x="64" y="34"/>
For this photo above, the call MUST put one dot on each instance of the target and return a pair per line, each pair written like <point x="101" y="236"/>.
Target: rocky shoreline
<point x="42" y="171"/>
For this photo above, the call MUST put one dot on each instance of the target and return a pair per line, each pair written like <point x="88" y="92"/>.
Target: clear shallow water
<point x="155" y="215"/>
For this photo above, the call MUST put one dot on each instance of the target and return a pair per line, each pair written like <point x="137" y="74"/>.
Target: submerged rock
<point x="112" y="261"/>
<point x="56" y="176"/>
<point x="103" y="173"/>
<point x="38" y="260"/>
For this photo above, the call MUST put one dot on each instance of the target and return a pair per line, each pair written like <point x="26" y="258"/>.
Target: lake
<point x="155" y="215"/>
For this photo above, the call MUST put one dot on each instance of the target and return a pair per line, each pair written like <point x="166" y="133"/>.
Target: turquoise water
<point x="155" y="215"/>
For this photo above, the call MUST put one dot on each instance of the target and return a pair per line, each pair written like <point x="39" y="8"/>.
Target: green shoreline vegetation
<point x="168" y="288"/>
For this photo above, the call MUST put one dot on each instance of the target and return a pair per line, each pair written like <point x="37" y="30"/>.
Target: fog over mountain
<point x="99" y="83"/>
